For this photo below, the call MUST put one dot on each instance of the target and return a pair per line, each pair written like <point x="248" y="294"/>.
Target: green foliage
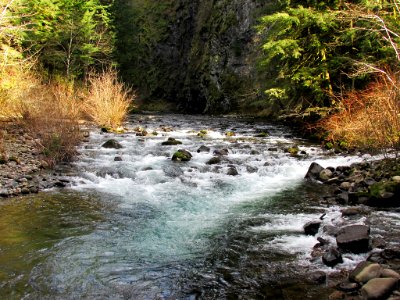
<point x="309" y="50"/>
<point x="69" y="36"/>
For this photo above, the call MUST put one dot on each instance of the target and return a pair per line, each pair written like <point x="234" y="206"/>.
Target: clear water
<point x="149" y="228"/>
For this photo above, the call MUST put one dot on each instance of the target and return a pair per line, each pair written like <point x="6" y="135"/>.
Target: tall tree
<point x="69" y="36"/>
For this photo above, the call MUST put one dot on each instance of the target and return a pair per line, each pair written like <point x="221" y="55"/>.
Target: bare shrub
<point x="108" y="99"/>
<point x="368" y="119"/>
<point x="52" y="117"/>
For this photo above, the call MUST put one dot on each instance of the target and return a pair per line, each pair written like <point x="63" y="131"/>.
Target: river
<point x="145" y="227"/>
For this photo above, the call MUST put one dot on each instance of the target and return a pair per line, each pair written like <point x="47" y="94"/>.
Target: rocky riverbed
<point x="360" y="189"/>
<point x="22" y="167"/>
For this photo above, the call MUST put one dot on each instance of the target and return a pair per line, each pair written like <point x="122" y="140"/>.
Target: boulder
<point x="171" y="142"/>
<point x="325" y="175"/>
<point x="214" y="160"/>
<point x="112" y="144"/>
<point x="203" y="149"/>
<point x="348" y="287"/>
<point x="221" y="152"/>
<point x="311" y="228"/>
<point x="232" y="171"/>
<point x="182" y="155"/>
<point x="118" y="158"/>
<point x="389" y="273"/>
<point x="365" y="271"/>
<point x="332" y="257"/>
<point x="353" y="238"/>
<point x="313" y="171"/>
<point x="378" y="288"/>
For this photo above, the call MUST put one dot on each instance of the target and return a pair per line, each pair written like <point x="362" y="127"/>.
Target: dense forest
<point x="265" y="58"/>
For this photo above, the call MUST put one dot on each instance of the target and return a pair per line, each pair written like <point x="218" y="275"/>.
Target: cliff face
<point x="202" y="56"/>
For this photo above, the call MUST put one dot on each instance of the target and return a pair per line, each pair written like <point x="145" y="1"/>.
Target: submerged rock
<point x="112" y="144"/>
<point x="353" y="238"/>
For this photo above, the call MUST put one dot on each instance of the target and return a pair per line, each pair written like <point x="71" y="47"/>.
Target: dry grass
<point x="369" y="119"/>
<point x="108" y="99"/>
<point x="52" y="118"/>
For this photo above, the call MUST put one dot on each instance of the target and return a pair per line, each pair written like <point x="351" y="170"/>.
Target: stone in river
<point x="203" y="149"/>
<point x="112" y="144"/>
<point x="332" y="257"/>
<point x="171" y="142"/>
<point x="311" y="228"/>
<point x="182" y="155"/>
<point x="232" y="171"/>
<point x="314" y="171"/>
<point x="221" y="152"/>
<point x="353" y="238"/>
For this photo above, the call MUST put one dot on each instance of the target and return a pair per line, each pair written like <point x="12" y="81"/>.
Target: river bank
<point x="23" y="169"/>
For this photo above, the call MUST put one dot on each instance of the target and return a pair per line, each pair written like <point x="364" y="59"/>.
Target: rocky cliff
<point x="200" y="55"/>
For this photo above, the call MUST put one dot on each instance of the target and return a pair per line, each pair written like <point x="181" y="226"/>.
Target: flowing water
<point x="149" y="228"/>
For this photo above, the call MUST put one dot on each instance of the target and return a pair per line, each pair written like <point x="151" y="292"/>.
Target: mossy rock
<point x="202" y="133"/>
<point x="293" y="151"/>
<point x="230" y="134"/>
<point x="262" y="135"/>
<point x="379" y="189"/>
<point x="171" y="142"/>
<point x="182" y="155"/>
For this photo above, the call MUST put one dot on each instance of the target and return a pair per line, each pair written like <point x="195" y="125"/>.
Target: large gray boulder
<point x="313" y="171"/>
<point x="353" y="238"/>
<point x="365" y="271"/>
<point x="379" y="288"/>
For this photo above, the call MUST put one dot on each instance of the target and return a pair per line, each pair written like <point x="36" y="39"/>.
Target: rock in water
<point x="182" y="155"/>
<point x="332" y="257"/>
<point x="203" y="149"/>
<point x="214" y="160"/>
<point x="232" y="171"/>
<point x="314" y="171"/>
<point x="311" y="228"/>
<point x="112" y="144"/>
<point x="171" y="142"/>
<point x="221" y="152"/>
<point x="353" y="238"/>
<point x="378" y="288"/>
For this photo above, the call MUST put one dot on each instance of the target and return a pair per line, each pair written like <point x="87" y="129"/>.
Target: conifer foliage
<point x="313" y="50"/>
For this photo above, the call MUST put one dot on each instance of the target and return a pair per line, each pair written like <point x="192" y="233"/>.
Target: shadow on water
<point x="240" y="265"/>
<point x="31" y="226"/>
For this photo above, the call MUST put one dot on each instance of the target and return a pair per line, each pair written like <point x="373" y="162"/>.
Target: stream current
<point x="150" y="228"/>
